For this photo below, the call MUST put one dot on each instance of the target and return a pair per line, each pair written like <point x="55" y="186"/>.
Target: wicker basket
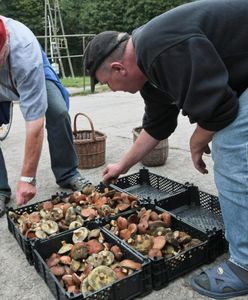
<point x="158" y="156"/>
<point x="90" y="145"/>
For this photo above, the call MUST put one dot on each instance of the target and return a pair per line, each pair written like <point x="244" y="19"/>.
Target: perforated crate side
<point x="210" y="202"/>
<point x="145" y="180"/>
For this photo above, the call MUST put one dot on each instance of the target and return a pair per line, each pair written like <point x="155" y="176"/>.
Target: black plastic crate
<point x="148" y="186"/>
<point x="200" y="209"/>
<point x="138" y="284"/>
<point x="165" y="270"/>
<point x="24" y="242"/>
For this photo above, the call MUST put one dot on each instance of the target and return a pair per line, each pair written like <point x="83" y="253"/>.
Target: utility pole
<point x="54" y="27"/>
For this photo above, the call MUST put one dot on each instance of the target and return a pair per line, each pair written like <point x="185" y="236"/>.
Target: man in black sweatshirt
<point x="193" y="59"/>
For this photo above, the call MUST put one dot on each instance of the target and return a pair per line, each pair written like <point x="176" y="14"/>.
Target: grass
<point x="76" y="81"/>
<point x="80" y="82"/>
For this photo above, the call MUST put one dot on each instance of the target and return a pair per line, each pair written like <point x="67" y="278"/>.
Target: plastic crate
<point x="25" y="243"/>
<point x="138" y="284"/>
<point x="200" y="209"/>
<point x="165" y="270"/>
<point x="149" y="187"/>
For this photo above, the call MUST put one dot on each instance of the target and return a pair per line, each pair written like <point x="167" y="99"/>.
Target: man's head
<point x="110" y="59"/>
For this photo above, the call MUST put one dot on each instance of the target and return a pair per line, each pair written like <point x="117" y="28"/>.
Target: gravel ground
<point x="115" y="114"/>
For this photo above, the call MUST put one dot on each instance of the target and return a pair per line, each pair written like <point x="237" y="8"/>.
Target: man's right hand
<point x="113" y="171"/>
<point x="24" y="192"/>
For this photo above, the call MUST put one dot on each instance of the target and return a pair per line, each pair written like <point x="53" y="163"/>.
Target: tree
<point x="29" y="12"/>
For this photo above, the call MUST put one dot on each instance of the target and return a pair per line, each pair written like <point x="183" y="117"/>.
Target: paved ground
<point x="115" y="114"/>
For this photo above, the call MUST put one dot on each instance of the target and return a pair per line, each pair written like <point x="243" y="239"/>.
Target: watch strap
<point x="30" y="180"/>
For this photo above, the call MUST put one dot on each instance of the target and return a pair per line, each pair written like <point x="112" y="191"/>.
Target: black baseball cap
<point x="100" y="48"/>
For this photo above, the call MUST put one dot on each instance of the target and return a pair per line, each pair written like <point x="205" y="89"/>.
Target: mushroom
<point x="70" y="215"/>
<point x="75" y="265"/>
<point x="108" y="257"/>
<point x="66" y="247"/>
<point x="88" y="189"/>
<point x="49" y="226"/>
<point x="88" y="212"/>
<point x="75" y="224"/>
<point x="100" y="277"/>
<point x="34" y="217"/>
<point x="155" y="253"/>
<point x="122" y="206"/>
<point x="85" y="287"/>
<point x="143" y="243"/>
<point x="154" y="216"/>
<point x="58" y="270"/>
<point x="73" y="289"/>
<point x="122" y="223"/>
<point x="94" y="246"/>
<point x="57" y="214"/>
<point x="130" y="264"/>
<point x="117" y="252"/>
<point x="79" y="251"/>
<point x="68" y="280"/>
<point x="53" y="260"/>
<point x="95" y="260"/>
<point x="166" y="218"/>
<point x="47" y="205"/>
<point x="65" y="259"/>
<point x="159" y="242"/>
<point x="80" y="234"/>
<point x="40" y="234"/>
<point x="94" y="233"/>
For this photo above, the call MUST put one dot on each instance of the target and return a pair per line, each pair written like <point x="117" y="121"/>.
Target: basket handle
<point x="91" y="124"/>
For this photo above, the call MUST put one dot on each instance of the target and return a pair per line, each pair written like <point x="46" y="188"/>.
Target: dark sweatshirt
<point x="196" y="59"/>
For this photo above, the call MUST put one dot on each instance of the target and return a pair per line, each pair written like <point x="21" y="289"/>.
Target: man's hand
<point x="113" y="171"/>
<point x="24" y="192"/>
<point x="198" y="146"/>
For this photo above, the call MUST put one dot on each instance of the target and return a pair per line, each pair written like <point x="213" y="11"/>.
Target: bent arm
<point x="33" y="146"/>
<point x="142" y="146"/>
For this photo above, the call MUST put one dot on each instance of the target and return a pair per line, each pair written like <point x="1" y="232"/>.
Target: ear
<point x="118" y="67"/>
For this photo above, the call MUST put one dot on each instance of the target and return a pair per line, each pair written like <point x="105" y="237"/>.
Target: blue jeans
<point x="230" y="155"/>
<point x="64" y="161"/>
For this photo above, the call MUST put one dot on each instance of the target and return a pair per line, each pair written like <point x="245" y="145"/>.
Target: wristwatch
<point x="30" y="180"/>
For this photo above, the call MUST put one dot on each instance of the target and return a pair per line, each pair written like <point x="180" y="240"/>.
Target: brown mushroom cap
<point x="159" y="242"/>
<point x="94" y="246"/>
<point x="130" y="264"/>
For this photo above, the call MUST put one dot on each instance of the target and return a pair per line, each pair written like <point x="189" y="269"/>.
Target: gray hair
<point x="116" y="55"/>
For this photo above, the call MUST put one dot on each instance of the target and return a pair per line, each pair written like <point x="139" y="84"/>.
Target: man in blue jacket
<point x="26" y="75"/>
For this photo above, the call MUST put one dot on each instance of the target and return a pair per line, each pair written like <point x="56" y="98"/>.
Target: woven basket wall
<point x="90" y="145"/>
<point x="158" y="156"/>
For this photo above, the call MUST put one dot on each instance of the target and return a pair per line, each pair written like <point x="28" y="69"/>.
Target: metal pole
<point x="46" y="25"/>
<point x="54" y="33"/>
<point x="65" y="40"/>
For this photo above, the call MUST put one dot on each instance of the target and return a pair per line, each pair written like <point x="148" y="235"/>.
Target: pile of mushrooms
<point x="150" y="234"/>
<point x="50" y="219"/>
<point x="58" y="215"/>
<point x="89" y="263"/>
<point x="102" y="204"/>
